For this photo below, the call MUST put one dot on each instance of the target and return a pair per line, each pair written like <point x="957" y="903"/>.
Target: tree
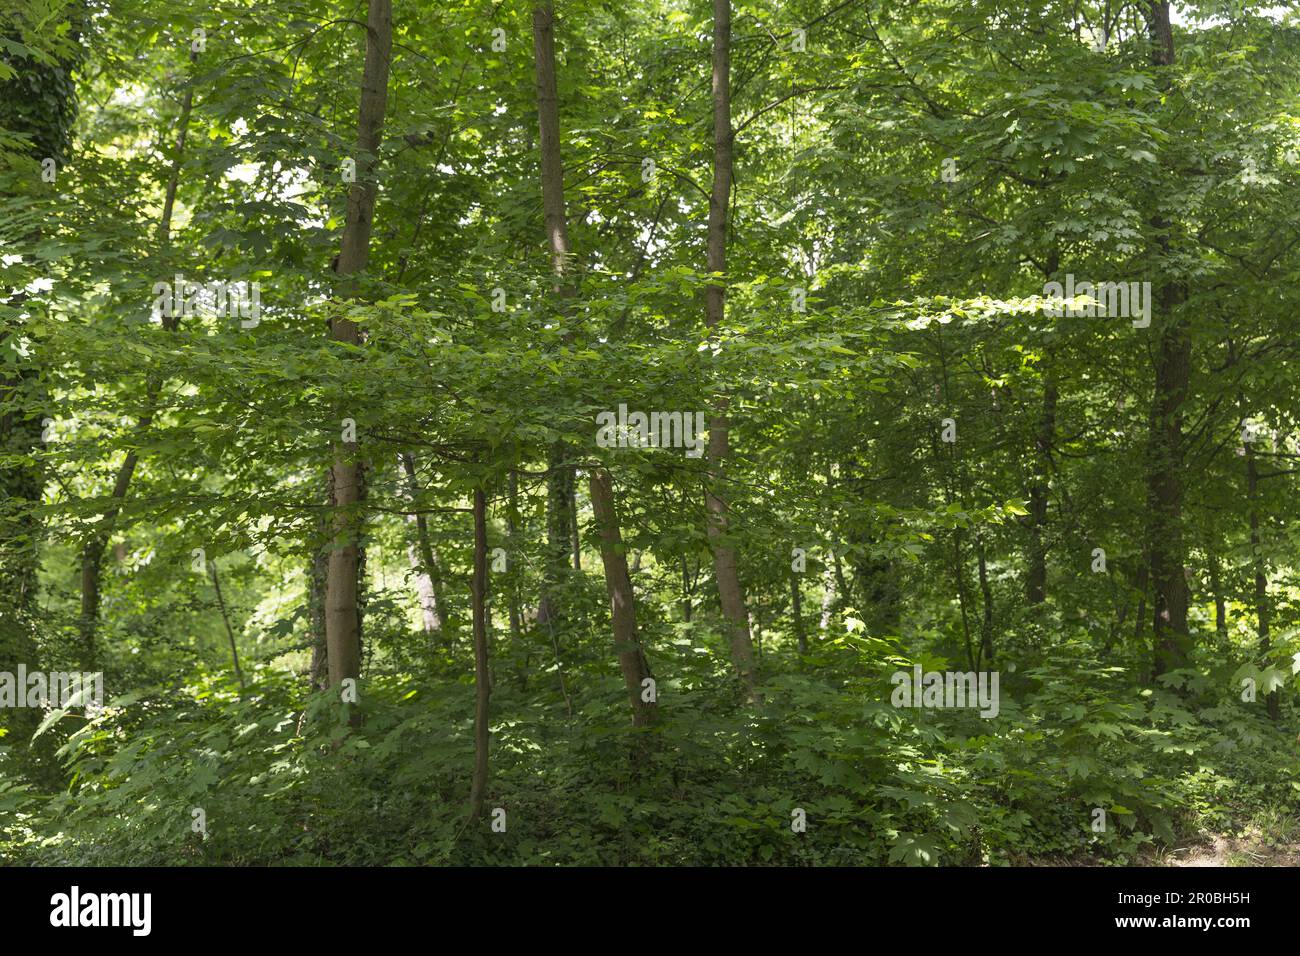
<point x="726" y="572"/>
<point x="342" y="611"/>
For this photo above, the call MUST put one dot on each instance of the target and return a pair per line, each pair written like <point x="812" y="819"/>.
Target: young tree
<point x="342" y="611"/>
<point x="726" y="572"/>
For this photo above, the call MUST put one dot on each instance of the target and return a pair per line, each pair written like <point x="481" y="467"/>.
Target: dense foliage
<point x="304" y="541"/>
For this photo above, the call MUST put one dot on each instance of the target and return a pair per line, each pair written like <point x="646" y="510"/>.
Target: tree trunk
<point x="342" y="610"/>
<point x="1143" y="578"/>
<point x="1036" y="581"/>
<point x="1165" y="496"/>
<point x="512" y="531"/>
<point x="559" y="479"/>
<point x="424" y="563"/>
<point x="686" y="591"/>
<point x="986" y="600"/>
<point x="574" y="535"/>
<point x="482" y="686"/>
<point x="1260" y="567"/>
<point x="1170" y="639"/>
<point x="842" y="590"/>
<point x="563" y="539"/>
<point x="23" y="396"/>
<point x="725" y="563"/>
<point x="963" y="598"/>
<point x="225" y="618"/>
<point x="21" y="486"/>
<point x="1220" y="598"/>
<point x="828" y="597"/>
<point x="796" y="610"/>
<point x="622" y="603"/>
<point x="316" y="574"/>
<point x="319" y="675"/>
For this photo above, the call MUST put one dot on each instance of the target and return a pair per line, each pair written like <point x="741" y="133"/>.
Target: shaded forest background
<point x="365" y="582"/>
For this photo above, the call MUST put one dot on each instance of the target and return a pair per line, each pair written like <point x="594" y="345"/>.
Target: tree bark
<point x="225" y="618"/>
<point x="1171" y="643"/>
<point x="574" y="535"/>
<point x="512" y="532"/>
<point x="559" y="479"/>
<point x="1165" y="494"/>
<point x="316" y="574"/>
<point x="1143" y="578"/>
<point x="622" y="602"/>
<point x="686" y="592"/>
<point x="342" y="611"/>
<point x="828" y="597"/>
<point x="1036" y="582"/>
<point x="563" y="537"/>
<point x="424" y="563"/>
<point x="1263" y="609"/>
<point x="796" y="610"/>
<point x="726" y="571"/>
<point x="986" y="601"/>
<point x="1215" y="570"/>
<point x="319" y="674"/>
<point x="482" y="681"/>
<point x="21" y="531"/>
<point x="23" y="396"/>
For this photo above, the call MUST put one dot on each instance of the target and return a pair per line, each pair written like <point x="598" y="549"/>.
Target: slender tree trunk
<point x="428" y="576"/>
<point x="319" y="674"/>
<point x="1263" y="610"/>
<point x="342" y="609"/>
<point x="482" y="684"/>
<point x="574" y="536"/>
<point x="828" y="598"/>
<point x="686" y="591"/>
<point x="1121" y="605"/>
<point x="559" y="480"/>
<point x="622" y="603"/>
<point x="1143" y="576"/>
<point x="986" y="600"/>
<point x="1044" y="440"/>
<point x="1220" y="598"/>
<point x="562" y="495"/>
<point x="1170" y="641"/>
<point x="559" y="529"/>
<point x="796" y="610"/>
<point x="225" y="618"/>
<point x="1036" y="582"/>
<point x="317" y="571"/>
<point x="1165" y="496"/>
<point x="430" y="605"/>
<point x="842" y="590"/>
<point x="726" y="571"/>
<point x="92" y="557"/>
<point x="963" y="599"/>
<point x="548" y="121"/>
<point x="512" y="531"/>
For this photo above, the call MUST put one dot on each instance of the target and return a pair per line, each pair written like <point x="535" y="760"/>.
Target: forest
<point x="655" y="433"/>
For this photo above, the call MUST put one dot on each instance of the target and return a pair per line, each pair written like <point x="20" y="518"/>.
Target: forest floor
<point x="1267" y="840"/>
<point x="1250" y="849"/>
<point x="1218" y="849"/>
